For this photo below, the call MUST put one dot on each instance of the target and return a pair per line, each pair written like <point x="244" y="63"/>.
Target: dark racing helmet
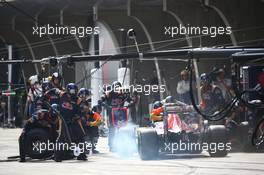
<point x="39" y="102"/>
<point x="45" y="86"/>
<point x="72" y="89"/>
<point x="157" y="104"/>
<point x="107" y="88"/>
<point x="97" y="108"/>
<point x="116" y="85"/>
<point x="55" y="109"/>
<point x="205" y="78"/>
<point x="84" y="92"/>
<point x="169" y="99"/>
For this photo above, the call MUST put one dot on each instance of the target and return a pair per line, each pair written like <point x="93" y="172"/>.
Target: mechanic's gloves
<point x="90" y="123"/>
<point x="54" y="90"/>
<point x="98" y="120"/>
<point x="94" y="123"/>
<point x="156" y="118"/>
<point x="131" y="104"/>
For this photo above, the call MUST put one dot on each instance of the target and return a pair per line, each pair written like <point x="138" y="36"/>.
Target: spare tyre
<point x="36" y="143"/>
<point x="217" y="135"/>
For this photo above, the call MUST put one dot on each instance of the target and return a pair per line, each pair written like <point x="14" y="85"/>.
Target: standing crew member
<point x="34" y="91"/>
<point x="116" y="98"/>
<point x="212" y="97"/>
<point x="183" y="88"/>
<point x="91" y="118"/>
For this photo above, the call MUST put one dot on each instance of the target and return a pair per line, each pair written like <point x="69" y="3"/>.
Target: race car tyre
<point x="216" y="136"/>
<point x="125" y="142"/>
<point x="33" y="143"/>
<point x="147" y="143"/>
<point x="258" y="135"/>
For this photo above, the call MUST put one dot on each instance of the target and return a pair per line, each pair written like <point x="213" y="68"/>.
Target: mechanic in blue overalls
<point x="53" y="88"/>
<point x="114" y="99"/>
<point x="70" y="112"/>
<point x="90" y="116"/>
<point x="42" y="117"/>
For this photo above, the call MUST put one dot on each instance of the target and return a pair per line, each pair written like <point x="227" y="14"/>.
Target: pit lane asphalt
<point x="109" y="163"/>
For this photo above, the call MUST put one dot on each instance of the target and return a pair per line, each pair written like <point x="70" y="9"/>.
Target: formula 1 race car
<point x="181" y="132"/>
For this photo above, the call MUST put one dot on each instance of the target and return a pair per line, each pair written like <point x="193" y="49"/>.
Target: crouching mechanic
<point x="42" y="118"/>
<point x="91" y="117"/>
<point x="70" y="112"/>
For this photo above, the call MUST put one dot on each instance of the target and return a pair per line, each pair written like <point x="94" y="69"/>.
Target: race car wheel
<point x="217" y="135"/>
<point x="147" y="143"/>
<point x="125" y="142"/>
<point x="34" y="140"/>
<point x="258" y="135"/>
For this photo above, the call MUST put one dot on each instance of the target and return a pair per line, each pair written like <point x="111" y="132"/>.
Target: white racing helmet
<point x="33" y="79"/>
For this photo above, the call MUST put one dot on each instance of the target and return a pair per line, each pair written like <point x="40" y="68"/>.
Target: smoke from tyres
<point x="152" y="87"/>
